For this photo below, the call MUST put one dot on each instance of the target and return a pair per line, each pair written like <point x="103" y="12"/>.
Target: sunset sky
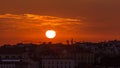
<point x="82" y="20"/>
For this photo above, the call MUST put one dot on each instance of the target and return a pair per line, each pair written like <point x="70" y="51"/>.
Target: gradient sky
<point x="82" y="20"/>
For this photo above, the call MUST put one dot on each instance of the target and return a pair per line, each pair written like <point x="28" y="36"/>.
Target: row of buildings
<point x="50" y="56"/>
<point x="78" y="55"/>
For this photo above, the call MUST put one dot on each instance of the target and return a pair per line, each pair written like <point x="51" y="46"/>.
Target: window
<point x="20" y="57"/>
<point x="6" y="57"/>
<point x="13" y="57"/>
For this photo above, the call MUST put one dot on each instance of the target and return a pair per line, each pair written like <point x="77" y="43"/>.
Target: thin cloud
<point x="32" y="21"/>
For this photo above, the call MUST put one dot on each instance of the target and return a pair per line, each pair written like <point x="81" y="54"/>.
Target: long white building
<point x="58" y="63"/>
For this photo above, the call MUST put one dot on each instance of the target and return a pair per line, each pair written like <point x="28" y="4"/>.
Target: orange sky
<point x="82" y="20"/>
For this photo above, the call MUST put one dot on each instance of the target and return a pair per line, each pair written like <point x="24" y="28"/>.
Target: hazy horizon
<point x="82" y="20"/>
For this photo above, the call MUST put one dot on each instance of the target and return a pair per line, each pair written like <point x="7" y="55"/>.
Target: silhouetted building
<point x="16" y="58"/>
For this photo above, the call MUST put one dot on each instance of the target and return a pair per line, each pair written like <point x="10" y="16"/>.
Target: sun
<point x="50" y="34"/>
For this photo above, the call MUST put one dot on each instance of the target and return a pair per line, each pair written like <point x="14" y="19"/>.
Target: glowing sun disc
<point x="50" y="34"/>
